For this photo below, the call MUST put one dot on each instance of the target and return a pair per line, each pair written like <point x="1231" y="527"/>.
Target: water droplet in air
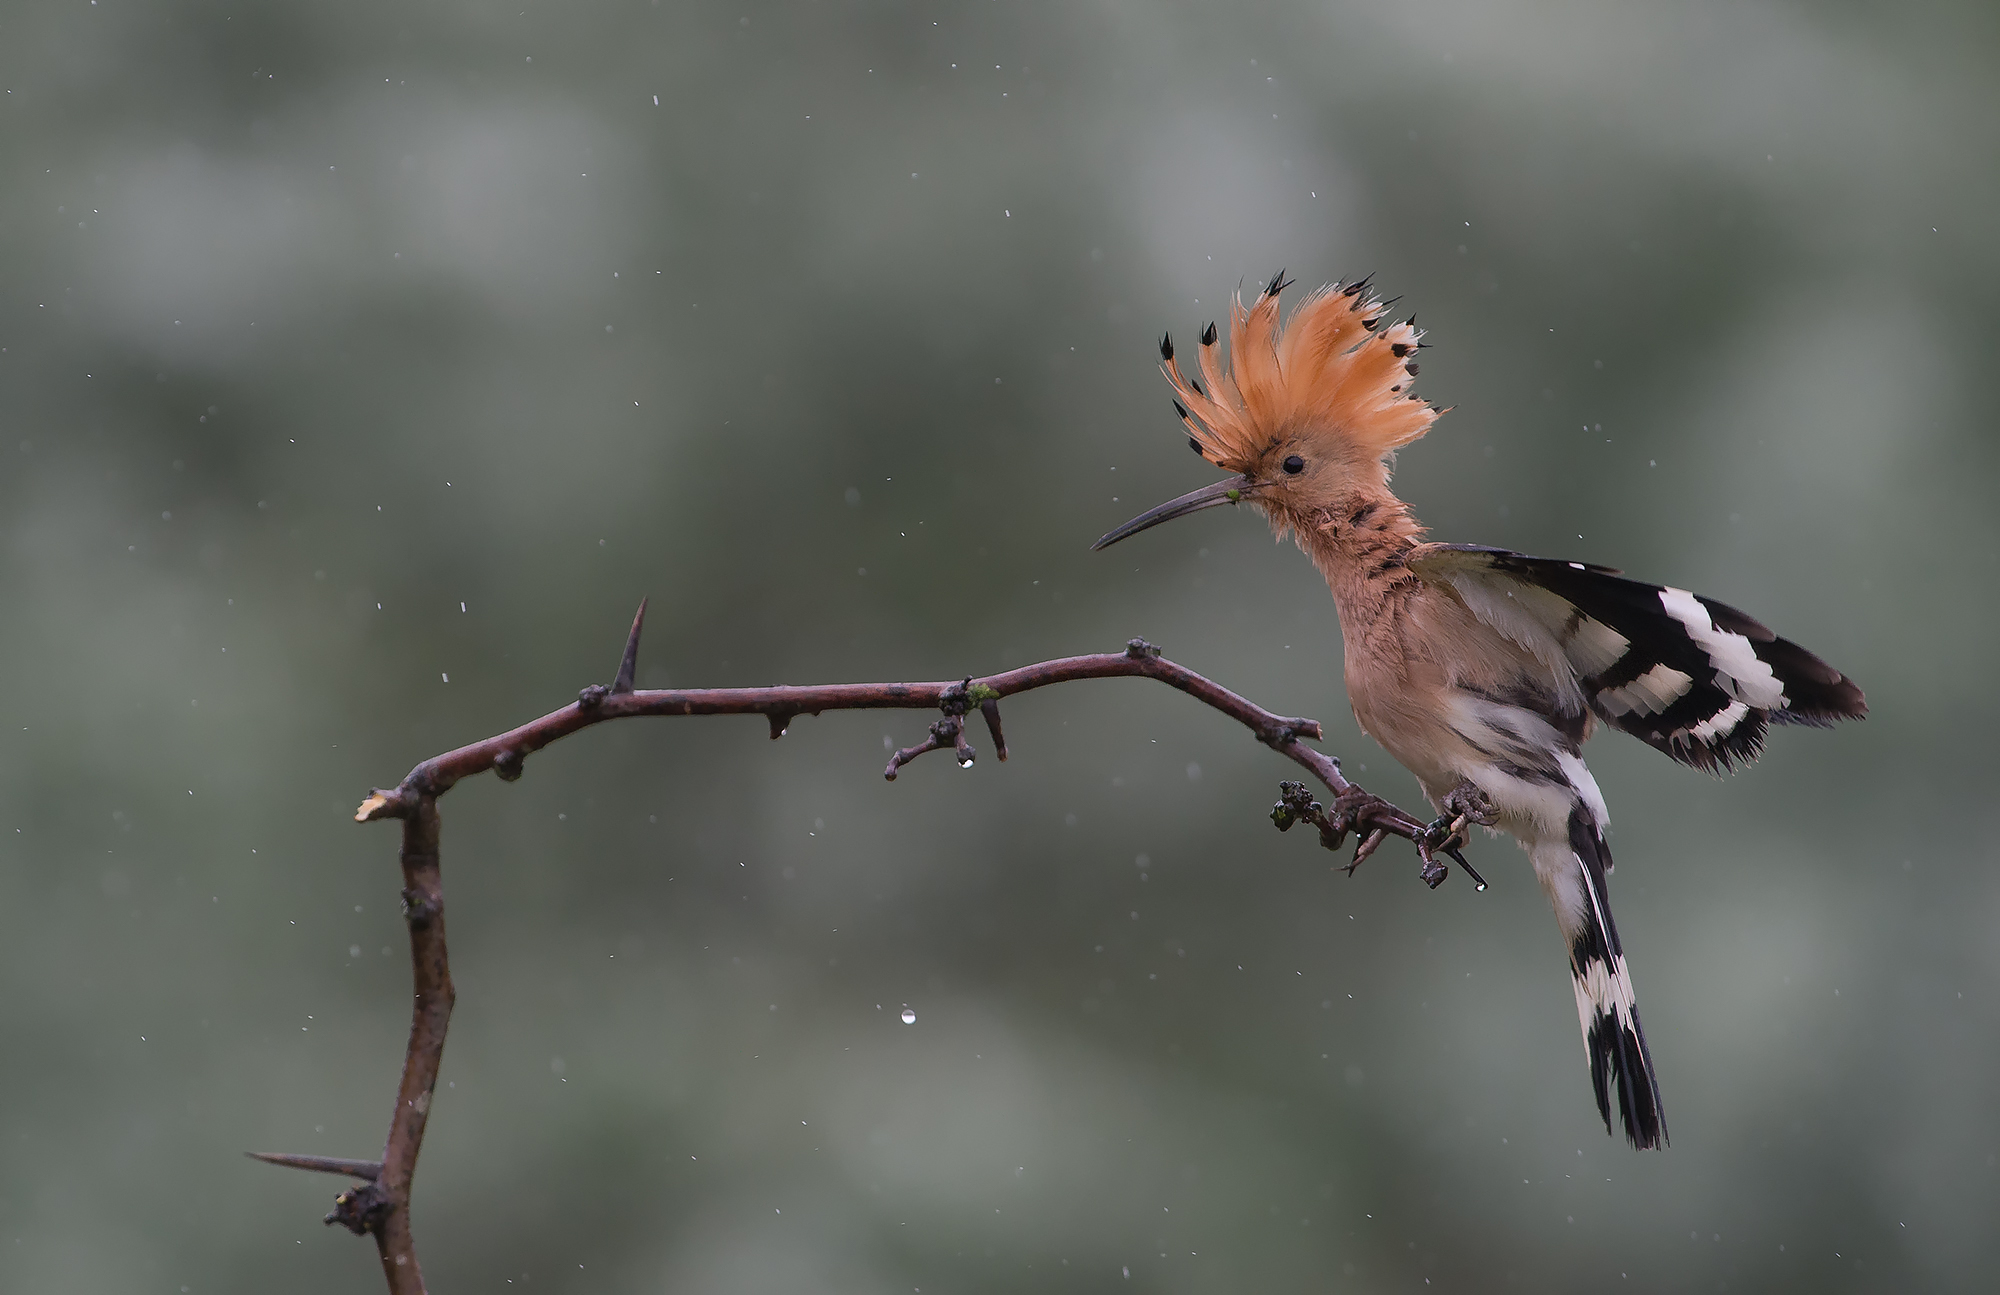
<point x="909" y="1016"/>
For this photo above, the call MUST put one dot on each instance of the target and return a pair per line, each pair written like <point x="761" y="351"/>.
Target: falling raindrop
<point x="909" y="1016"/>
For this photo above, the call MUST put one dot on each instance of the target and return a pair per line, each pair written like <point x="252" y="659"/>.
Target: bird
<point x="1481" y="670"/>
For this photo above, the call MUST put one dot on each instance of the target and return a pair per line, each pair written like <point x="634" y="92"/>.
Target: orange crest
<point x="1334" y="372"/>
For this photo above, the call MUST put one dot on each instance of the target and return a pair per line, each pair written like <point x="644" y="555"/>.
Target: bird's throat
<point x="1359" y="544"/>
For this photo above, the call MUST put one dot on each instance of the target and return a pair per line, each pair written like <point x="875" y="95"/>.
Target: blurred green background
<point x="363" y="366"/>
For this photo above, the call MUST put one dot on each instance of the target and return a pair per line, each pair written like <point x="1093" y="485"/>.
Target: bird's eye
<point x="1295" y="465"/>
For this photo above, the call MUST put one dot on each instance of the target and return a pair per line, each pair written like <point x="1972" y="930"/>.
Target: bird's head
<point x="1306" y="415"/>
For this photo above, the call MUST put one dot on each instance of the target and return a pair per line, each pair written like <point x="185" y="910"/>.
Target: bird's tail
<point x="1573" y="874"/>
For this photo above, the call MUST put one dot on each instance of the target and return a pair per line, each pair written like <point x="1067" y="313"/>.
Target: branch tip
<point x="379" y="804"/>
<point x="628" y="666"/>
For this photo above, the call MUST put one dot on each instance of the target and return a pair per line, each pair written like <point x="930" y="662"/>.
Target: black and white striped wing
<point x="1691" y="676"/>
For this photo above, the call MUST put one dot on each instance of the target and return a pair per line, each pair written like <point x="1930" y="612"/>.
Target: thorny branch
<point x="379" y="1204"/>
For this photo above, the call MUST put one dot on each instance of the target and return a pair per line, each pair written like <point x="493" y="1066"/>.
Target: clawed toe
<point x="1463" y="805"/>
<point x="1467" y="804"/>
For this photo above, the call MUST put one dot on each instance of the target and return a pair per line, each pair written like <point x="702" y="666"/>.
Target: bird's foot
<point x="1373" y="820"/>
<point x="1463" y="805"/>
<point x="1468" y="804"/>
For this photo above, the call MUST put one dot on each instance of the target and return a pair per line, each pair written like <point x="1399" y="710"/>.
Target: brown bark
<point x="380" y="1205"/>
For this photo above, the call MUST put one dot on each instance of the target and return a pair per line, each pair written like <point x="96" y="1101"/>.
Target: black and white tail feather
<point x="1572" y="862"/>
<point x="1689" y="676"/>
<point x="1613" y="1040"/>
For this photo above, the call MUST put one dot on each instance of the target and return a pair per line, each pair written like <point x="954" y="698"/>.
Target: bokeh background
<point x="364" y="364"/>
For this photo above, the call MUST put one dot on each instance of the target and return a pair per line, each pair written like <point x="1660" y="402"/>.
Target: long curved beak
<point x="1228" y="491"/>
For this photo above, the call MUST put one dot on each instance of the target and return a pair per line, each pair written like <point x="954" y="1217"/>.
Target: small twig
<point x="380" y="1206"/>
<point x="949" y="731"/>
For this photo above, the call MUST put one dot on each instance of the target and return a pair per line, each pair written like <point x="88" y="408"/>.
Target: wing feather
<point x="1692" y="677"/>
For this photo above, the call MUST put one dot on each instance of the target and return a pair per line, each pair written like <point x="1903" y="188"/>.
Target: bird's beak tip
<point x="1227" y="491"/>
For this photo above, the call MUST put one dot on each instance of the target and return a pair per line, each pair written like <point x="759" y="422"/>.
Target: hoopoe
<point x="1483" y="671"/>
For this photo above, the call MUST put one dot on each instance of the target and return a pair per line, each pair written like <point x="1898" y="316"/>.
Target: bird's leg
<point x="1463" y="805"/>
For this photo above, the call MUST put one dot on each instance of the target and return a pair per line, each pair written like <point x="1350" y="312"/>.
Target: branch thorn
<point x="1365" y="847"/>
<point x="366" y="1170"/>
<point x="991" y="710"/>
<point x="1478" y="882"/>
<point x="630" y="664"/>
